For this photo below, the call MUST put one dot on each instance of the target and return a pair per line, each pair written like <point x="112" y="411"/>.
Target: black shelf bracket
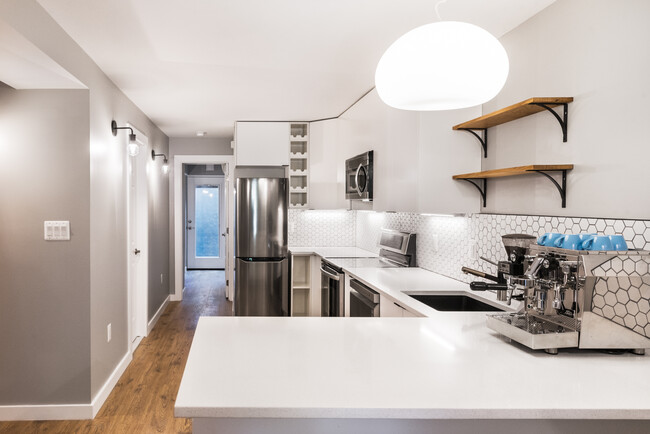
<point x="560" y="188"/>
<point x="483" y="140"/>
<point x="482" y="190"/>
<point x="564" y="122"/>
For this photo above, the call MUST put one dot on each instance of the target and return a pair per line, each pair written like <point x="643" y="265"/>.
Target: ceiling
<point x="200" y="65"/>
<point x="25" y="66"/>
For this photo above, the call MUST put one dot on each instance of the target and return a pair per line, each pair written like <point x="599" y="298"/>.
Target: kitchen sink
<point x="454" y="302"/>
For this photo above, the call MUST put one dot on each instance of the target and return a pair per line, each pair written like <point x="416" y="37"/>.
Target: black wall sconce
<point x="132" y="147"/>
<point x="165" y="166"/>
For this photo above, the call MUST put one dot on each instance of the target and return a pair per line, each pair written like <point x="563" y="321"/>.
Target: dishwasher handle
<point x="364" y="291"/>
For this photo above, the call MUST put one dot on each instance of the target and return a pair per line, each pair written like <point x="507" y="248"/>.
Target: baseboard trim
<point x="46" y="412"/>
<point x="67" y="411"/>
<point x="175" y="297"/>
<point x="108" y="386"/>
<point x="156" y="317"/>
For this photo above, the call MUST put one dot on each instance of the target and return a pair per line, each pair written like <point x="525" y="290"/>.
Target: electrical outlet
<point x="473" y="249"/>
<point x="108" y="333"/>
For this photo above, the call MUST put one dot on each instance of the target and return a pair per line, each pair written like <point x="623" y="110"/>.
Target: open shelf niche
<point x="299" y="165"/>
<point x="516" y="171"/>
<point x="517" y="111"/>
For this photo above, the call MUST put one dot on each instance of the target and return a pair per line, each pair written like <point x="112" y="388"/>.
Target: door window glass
<point x="207" y="221"/>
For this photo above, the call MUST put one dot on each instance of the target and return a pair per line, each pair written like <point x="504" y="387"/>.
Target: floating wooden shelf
<point x="517" y="111"/>
<point x="515" y="171"/>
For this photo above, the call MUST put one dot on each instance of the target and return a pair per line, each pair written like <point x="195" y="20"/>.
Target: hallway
<point x="143" y="399"/>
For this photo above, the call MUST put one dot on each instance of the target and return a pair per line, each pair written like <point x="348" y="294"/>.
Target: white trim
<point x="137" y="302"/>
<point x="108" y="386"/>
<point x="178" y="162"/>
<point x="156" y="317"/>
<point x="46" y="412"/>
<point x="67" y="411"/>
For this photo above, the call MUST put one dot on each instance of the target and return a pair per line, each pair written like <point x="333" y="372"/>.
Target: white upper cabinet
<point x="416" y="154"/>
<point x="327" y="174"/>
<point x="262" y="143"/>
<point x="393" y="136"/>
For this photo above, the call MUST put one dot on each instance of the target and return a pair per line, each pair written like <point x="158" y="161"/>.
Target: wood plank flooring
<point x="143" y="399"/>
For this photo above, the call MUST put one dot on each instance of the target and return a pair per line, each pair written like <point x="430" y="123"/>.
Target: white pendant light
<point x="442" y="66"/>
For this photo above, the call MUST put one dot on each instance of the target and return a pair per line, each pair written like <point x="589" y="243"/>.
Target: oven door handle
<point x="330" y="275"/>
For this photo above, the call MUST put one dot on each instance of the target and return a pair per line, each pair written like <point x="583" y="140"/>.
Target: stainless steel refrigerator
<point x="262" y="263"/>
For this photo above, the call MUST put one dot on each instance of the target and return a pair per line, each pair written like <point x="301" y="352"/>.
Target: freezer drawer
<point x="262" y="288"/>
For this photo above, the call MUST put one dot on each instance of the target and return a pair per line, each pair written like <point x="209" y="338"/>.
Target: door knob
<point x="136" y="251"/>
<point x="223" y="235"/>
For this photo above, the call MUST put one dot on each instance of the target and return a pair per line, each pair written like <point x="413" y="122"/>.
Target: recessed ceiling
<point x="201" y="65"/>
<point x="24" y="66"/>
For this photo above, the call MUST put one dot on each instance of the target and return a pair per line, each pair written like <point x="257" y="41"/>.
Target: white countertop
<point x="448" y="366"/>
<point x="333" y="252"/>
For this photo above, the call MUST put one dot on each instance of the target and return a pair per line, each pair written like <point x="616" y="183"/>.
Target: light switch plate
<point x="56" y="230"/>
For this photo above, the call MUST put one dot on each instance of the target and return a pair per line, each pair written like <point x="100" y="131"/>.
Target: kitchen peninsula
<point x="444" y="373"/>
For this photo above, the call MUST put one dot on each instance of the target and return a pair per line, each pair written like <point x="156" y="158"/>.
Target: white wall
<point x="597" y="52"/>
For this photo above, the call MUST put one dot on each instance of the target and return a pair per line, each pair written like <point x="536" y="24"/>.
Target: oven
<point x="332" y="299"/>
<point x="358" y="177"/>
<point x="364" y="301"/>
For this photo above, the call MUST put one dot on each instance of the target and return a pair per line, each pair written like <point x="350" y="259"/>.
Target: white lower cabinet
<point x="305" y="285"/>
<point x="389" y="308"/>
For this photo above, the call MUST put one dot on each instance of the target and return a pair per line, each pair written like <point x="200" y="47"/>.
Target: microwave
<point x="358" y="177"/>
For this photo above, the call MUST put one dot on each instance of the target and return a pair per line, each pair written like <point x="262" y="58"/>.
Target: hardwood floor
<point x="143" y="399"/>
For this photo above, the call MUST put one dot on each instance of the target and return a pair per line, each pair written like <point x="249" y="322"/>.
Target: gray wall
<point x="44" y="285"/>
<point x="596" y="52"/>
<point x="107" y="201"/>
<point x="199" y="146"/>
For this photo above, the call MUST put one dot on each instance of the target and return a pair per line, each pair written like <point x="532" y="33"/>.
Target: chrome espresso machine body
<point x="578" y="299"/>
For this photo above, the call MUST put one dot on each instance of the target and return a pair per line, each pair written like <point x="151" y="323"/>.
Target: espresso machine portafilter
<point x="516" y="246"/>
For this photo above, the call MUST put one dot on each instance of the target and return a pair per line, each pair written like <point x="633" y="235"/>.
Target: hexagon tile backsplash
<point x="446" y="243"/>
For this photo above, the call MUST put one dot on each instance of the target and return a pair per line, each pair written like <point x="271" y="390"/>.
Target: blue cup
<point x="618" y="242"/>
<point x="548" y="239"/>
<point x="598" y="242"/>
<point x="569" y="241"/>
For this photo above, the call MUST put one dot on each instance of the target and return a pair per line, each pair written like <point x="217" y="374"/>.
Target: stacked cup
<point x="583" y="241"/>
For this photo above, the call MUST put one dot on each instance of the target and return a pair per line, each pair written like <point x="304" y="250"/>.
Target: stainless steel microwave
<point x="358" y="177"/>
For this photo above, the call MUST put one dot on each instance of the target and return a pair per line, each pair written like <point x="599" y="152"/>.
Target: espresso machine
<point x="516" y="246"/>
<point x="576" y="299"/>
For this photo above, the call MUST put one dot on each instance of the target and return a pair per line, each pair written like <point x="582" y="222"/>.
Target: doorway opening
<point x="205" y="229"/>
<point x="203" y="218"/>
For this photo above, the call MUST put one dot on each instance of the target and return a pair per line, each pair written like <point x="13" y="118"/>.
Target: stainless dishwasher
<point x="364" y="301"/>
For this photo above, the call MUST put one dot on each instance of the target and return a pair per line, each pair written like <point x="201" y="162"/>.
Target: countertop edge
<point x="413" y="413"/>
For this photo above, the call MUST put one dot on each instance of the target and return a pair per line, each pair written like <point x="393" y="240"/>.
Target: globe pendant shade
<point x="442" y="66"/>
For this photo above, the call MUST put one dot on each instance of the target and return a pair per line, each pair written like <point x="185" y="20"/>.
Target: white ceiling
<point x="202" y="64"/>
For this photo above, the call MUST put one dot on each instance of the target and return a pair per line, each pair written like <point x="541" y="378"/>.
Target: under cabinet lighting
<point x="133" y="148"/>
